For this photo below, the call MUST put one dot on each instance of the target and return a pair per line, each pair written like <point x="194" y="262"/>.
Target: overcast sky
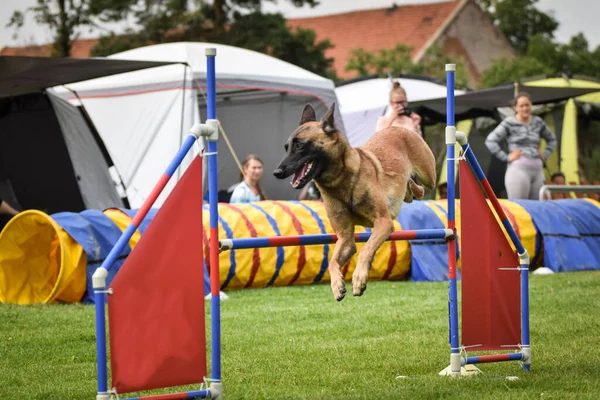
<point x="573" y="15"/>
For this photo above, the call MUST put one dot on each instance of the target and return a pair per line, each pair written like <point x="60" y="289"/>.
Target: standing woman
<point x="525" y="173"/>
<point x="401" y="115"/>
<point x="249" y="189"/>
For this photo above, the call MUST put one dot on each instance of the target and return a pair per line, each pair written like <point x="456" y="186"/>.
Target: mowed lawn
<point x="298" y="343"/>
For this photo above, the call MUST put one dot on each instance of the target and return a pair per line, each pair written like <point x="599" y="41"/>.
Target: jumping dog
<point x="363" y="185"/>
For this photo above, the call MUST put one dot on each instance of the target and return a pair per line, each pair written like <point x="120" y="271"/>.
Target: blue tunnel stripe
<point x="321" y="225"/>
<point x="280" y="252"/>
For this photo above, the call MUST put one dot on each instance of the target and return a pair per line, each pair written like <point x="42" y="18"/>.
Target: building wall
<point x="473" y="36"/>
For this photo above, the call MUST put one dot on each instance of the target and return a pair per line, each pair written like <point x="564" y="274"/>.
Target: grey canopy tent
<point x="259" y="104"/>
<point x="51" y="158"/>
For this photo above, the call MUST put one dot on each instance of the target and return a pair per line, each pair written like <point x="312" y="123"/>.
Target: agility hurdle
<point x="490" y="267"/>
<point x="164" y="345"/>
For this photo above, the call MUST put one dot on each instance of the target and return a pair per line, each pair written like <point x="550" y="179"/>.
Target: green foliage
<point x="531" y="33"/>
<point x="519" y="20"/>
<point x="61" y="16"/>
<point x="399" y="61"/>
<point x="507" y="71"/>
<point x="235" y="22"/>
<point x="544" y="57"/>
<point x="269" y="34"/>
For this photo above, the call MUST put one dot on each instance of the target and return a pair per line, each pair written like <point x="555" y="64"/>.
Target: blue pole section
<point x="453" y="293"/>
<point x="183" y="151"/>
<point x="211" y="113"/>
<point x="101" y="341"/>
<point x="525" y="312"/>
<point x="493" y="358"/>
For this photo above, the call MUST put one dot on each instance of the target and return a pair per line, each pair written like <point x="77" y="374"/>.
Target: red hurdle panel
<point x="490" y="296"/>
<point x="162" y="280"/>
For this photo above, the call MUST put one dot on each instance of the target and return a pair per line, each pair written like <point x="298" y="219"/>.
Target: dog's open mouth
<point x="301" y="176"/>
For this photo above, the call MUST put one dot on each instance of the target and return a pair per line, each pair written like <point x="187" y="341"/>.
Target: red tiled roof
<point x="375" y="29"/>
<point x="80" y="49"/>
<point x="372" y="30"/>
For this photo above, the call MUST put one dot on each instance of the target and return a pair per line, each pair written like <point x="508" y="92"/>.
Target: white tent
<point x="363" y="102"/>
<point x="143" y="116"/>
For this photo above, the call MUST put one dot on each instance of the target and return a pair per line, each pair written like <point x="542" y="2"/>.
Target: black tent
<point x="51" y="157"/>
<point x="485" y="102"/>
<point x="482" y="107"/>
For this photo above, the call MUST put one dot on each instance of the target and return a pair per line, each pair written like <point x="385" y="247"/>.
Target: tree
<point x="519" y="20"/>
<point x="234" y="22"/>
<point x="544" y="57"/>
<point x="62" y="16"/>
<point x="67" y="18"/>
<point x="399" y="61"/>
<point x="508" y="71"/>
<point x="269" y="34"/>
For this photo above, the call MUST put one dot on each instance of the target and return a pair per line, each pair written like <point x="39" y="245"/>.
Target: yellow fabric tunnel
<point x="39" y="261"/>
<point x="296" y="265"/>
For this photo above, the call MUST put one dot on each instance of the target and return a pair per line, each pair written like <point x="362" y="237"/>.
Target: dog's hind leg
<point x="382" y="228"/>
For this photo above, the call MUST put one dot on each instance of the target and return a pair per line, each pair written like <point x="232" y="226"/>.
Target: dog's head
<point x="308" y="148"/>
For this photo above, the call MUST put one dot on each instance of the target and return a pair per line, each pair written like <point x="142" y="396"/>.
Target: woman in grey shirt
<point x="525" y="173"/>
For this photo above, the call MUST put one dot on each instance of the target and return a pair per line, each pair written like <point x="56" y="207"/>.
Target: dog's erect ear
<point x="328" y="120"/>
<point x="308" y="114"/>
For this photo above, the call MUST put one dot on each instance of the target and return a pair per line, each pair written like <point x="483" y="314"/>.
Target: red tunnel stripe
<point x="513" y="220"/>
<point x="256" y="252"/>
<point x="391" y="260"/>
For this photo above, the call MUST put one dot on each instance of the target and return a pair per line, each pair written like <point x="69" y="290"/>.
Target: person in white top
<point x="400" y="114"/>
<point x="249" y="190"/>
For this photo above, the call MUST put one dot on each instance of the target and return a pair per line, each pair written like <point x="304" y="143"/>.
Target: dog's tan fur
<point x="365" y="186"/>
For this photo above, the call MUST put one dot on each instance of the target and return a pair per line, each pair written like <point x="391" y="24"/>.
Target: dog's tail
<point x="423" y="163"/>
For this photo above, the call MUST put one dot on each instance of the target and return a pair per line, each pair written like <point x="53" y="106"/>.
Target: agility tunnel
<point x="46" y="259"/>
<point x="50" y="258"/>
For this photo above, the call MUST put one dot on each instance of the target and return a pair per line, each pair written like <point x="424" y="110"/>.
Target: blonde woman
<point x="249" y="190"/>
<point x="400" y="115"/>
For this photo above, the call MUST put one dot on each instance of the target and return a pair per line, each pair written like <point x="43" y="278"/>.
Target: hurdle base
<point x="222" y="295"/>
<point x="216" y="390"/>
<point x="465" y="370"/>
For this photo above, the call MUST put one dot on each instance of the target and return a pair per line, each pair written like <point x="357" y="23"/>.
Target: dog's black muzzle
<point x="279" y="173"/>
<point x="283" y="172"/>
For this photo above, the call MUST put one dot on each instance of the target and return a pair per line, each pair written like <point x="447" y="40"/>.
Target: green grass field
<point x="298" y="343"/>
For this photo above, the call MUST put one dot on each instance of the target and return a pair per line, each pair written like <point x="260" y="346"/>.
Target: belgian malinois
<point x="363" y="185"/>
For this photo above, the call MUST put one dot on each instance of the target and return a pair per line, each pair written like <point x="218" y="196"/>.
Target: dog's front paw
<point x="359" y="282"/>
<point x="338" y="287"/>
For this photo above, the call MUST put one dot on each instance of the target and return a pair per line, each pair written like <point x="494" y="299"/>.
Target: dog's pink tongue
<point x="300" y="173"/>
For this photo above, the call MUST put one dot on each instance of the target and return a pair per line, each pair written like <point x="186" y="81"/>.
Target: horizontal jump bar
<point x="327" y="238"/>
<point x="493" y="358"/>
